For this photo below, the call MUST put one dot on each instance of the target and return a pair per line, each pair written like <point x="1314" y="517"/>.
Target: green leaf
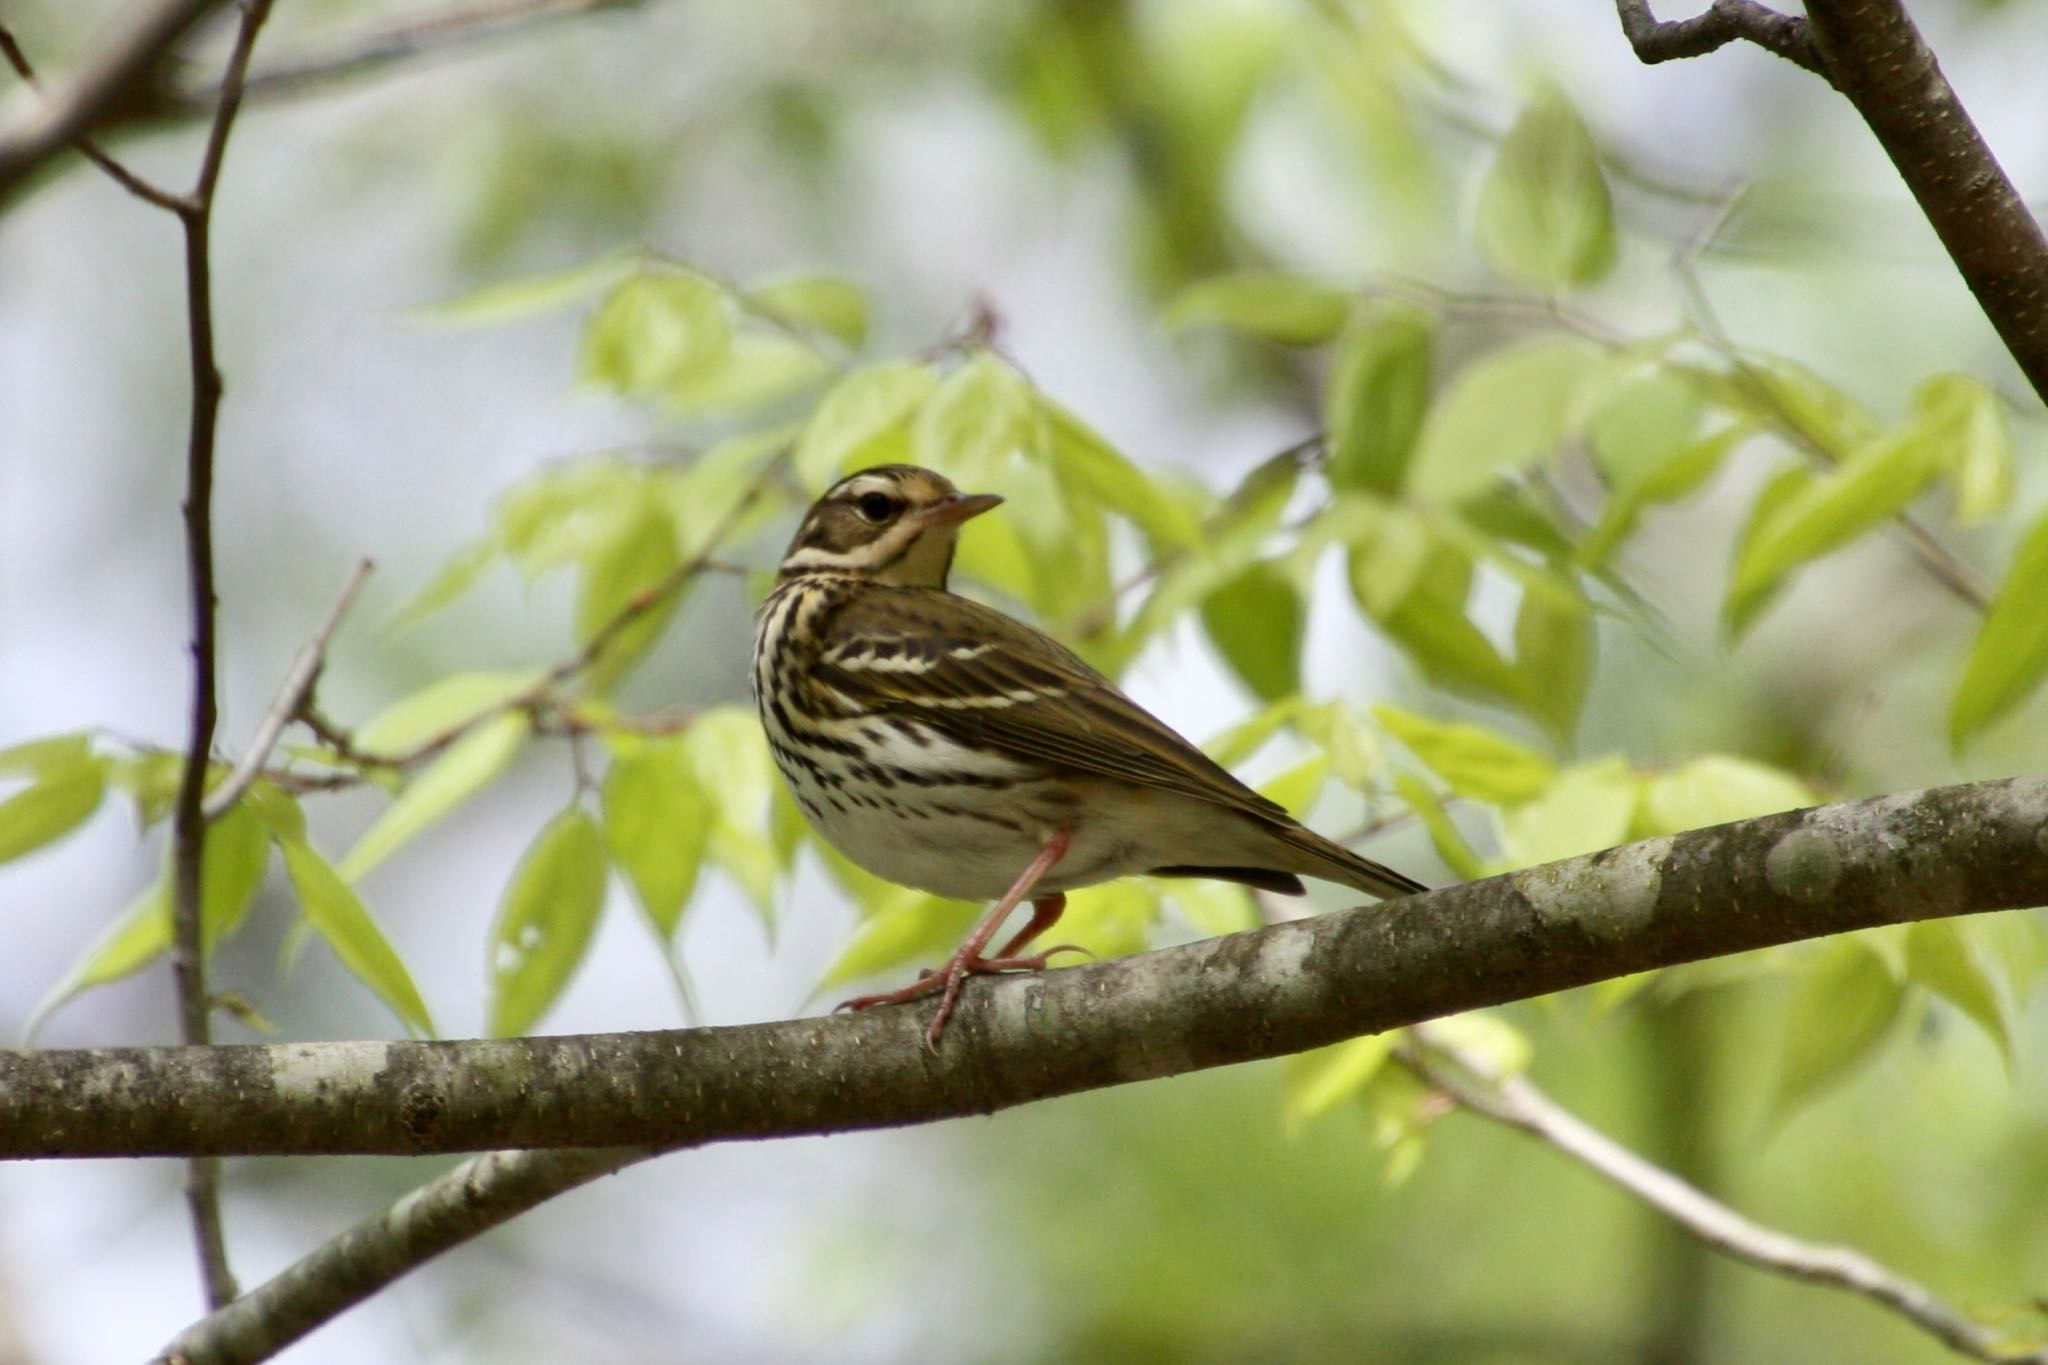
<point x="511" y="300"/>
<point x="1545" y="216"/>
<point x="454" y="578"/>
<point x="1783" y="487"/>
<point x="1789" y="397"/>
<point x="655" y="330"/>
<point x="1715" y="789"/>
<point x="1450" y="844"/>
<point x="2010" y="655"/>
<point x="1084" y="460"/>
<point x="1827" y="513"/>
<point x="338" y="915"/>
<point x="729" y="755"/>
<point x="469" y="766"/>
<point x="704" y="497"/>
<point x="1319" y="1081"/>
<point x="544" y="927"/>
<point x="1589" y="807"/>
<point x="1238" y="743"/>
<point x="1114" y="919"/>
<point x="64" y="796"/>
<point x="925" y="928"/>
<point x="636" y="563"/>
<point x="1257" y="621"/>
<point x="1378" y="394"/>
<point x="657" y="824"/>
<point x="1212" y="907"/>
<point x="1296" y="789"/>
<point x="1502" y="414"/>
<point x="757" y="369"/>
<point x="39" y="757"/>
<point x="441" y="706"/>
<point x="1676" y="478"/>
<point x="1840" y="1013"/>
<point x="1289" y="309"/>
<point x="1353" y="748"/>
<point x="237" y="855"/>
<point x="1968" y="419"/>
<point x="1415" y="585"/>
<point x="1472" y="761"/>
<point x="854" y="414"/>
<point x="1944" y="956"/>
<point x="1554" y="646"/>
<point x="825" y="303"/>
<point x="1640" y="425"/>
<point x="567" y="513"/>
<point x="140" y="935"/>
<point x="978" y="417"/>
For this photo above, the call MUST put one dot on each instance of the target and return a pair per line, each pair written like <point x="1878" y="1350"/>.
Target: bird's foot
<point x="947" y="981"/>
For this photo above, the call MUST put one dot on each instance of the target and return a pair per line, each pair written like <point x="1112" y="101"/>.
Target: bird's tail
<point x="1334" y="863"/>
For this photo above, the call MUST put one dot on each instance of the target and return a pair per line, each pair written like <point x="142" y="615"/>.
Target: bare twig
<point x="292" y="696"/>
<point x="188" y="830"/>
<point x="1514" y="1101"/>
<point x="1726" y="21"/>
<point x="117" y="75"/>
<point x="121" y="175"/>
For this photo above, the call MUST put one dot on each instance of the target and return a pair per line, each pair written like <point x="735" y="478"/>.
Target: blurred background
<point x="1073" y="166"/>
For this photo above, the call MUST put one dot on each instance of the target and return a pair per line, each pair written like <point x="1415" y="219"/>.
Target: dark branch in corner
<point x="1725" y="22"/>
<point x="1870" y="51"/>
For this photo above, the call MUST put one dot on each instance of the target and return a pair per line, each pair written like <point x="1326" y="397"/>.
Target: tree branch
<point x="118" y="74"/>
<point x="1871" y="52"/>
<point x="1263" y="993"/>
<point x="188" y="821"/>
<point x="1725" y="22"/>
<point x="1516" y="1102"/>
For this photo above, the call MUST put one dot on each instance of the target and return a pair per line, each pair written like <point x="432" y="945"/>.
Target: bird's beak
<point x="959" y="508"/>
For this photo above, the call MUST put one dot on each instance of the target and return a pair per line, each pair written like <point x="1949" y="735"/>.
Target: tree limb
<point x="1514" y="1101"/>
<point x="116" y="75"/>
<point x="1871" y="52"/>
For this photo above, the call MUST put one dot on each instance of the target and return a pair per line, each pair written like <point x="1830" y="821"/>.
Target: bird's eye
<point x="875" y="507"/>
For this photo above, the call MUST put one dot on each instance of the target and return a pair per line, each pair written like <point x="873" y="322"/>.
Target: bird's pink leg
<point x="967" y="959"/>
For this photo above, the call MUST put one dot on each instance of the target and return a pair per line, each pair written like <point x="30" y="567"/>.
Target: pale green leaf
<point x="64" y="796"/>
<point x="2010" y="655"/>
<point x="469" y="765"/>
<point x="1840" y="1013"/>
<point x="1472" y="760"/>
<point x="1546" y="218"/>
<point x="511" y="300"/>
<point x="992" y="551"/>
<point x="1089" y="463"/>
<point x="1967" y="418"/>
<point x="1485" y="1039"/>
<point x="569" y="512"/>
<point x="1257" y="622"/>
<point x="140" y="935"/>
<point x="704" y="497"/>
<point x="454" y="578"/>
<point x="1786" y="395"/>
<point x="38" y="757"/>
<point x="1289" y="309"/>
<point x="1944" y="956"/>
<point x="1319" y="1081"/>
<point x="1501" y="415"/>
<point x="1415" y="585"/>
<point x="979" y="416"/>
<point x="545" y="925"/>
<point x="1640" y="425"/>
<point x="1588" y="808"/>
<point x="1554" y="648"/>
<point x="825" y="303"/>
<point x="1677" y="477"/>
<point x="657" y="823"/>
<point x="1378" y="393"/>
<point x="339" y="916"/>
<point x="655" y="330"/>
<point x="442" y="706"/>
<point x="920" y="930"/>
<point x="1234" y="745"/>
<point x="237" y="855"/>
<point x="854" y="414"/>
<point x="1352" y="747"/>
<point x="617" y="578"/>
<point x="1449" y="843"/>
<point x="1114" y="919"/>
<point x="1870" y="487"/>
<point x="1782" y="488"/>
<point x="1212" y="907"/>
<point x="1715" y="789"/>
<point x="757" y="369"/>
<point x="1296" y="789"/>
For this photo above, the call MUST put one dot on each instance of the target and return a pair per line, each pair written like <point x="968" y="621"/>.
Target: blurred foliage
<point x="1494" y="473"/>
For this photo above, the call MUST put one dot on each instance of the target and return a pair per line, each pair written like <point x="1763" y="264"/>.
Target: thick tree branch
<point x="1292" y="986"/>
<point x="117" y="75"/>
<point x="1725" y="22"/>
<point x="1516" y="1102"/>
<point x="1871" y="52"/>
<point x="1264" y="993"/>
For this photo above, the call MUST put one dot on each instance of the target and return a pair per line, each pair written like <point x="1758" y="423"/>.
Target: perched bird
<point x="938" y="743"/>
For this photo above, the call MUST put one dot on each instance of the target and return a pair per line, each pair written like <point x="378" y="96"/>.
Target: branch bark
<point x="1871" y="52"/>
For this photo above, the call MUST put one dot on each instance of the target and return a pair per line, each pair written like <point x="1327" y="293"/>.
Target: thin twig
<point x="118" y="75"/>
<point x="121" y="175"/>
<point x="292" y="696"/>
<point x="1725" y="22"/>
<point x="188" y="837"/>
<point x="1513" y="1101"/>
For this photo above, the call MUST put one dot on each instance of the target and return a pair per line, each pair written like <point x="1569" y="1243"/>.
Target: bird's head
<point x="895" y="523"/>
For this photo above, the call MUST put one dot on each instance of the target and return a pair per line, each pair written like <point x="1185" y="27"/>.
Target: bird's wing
<point x="986" y="681"/>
